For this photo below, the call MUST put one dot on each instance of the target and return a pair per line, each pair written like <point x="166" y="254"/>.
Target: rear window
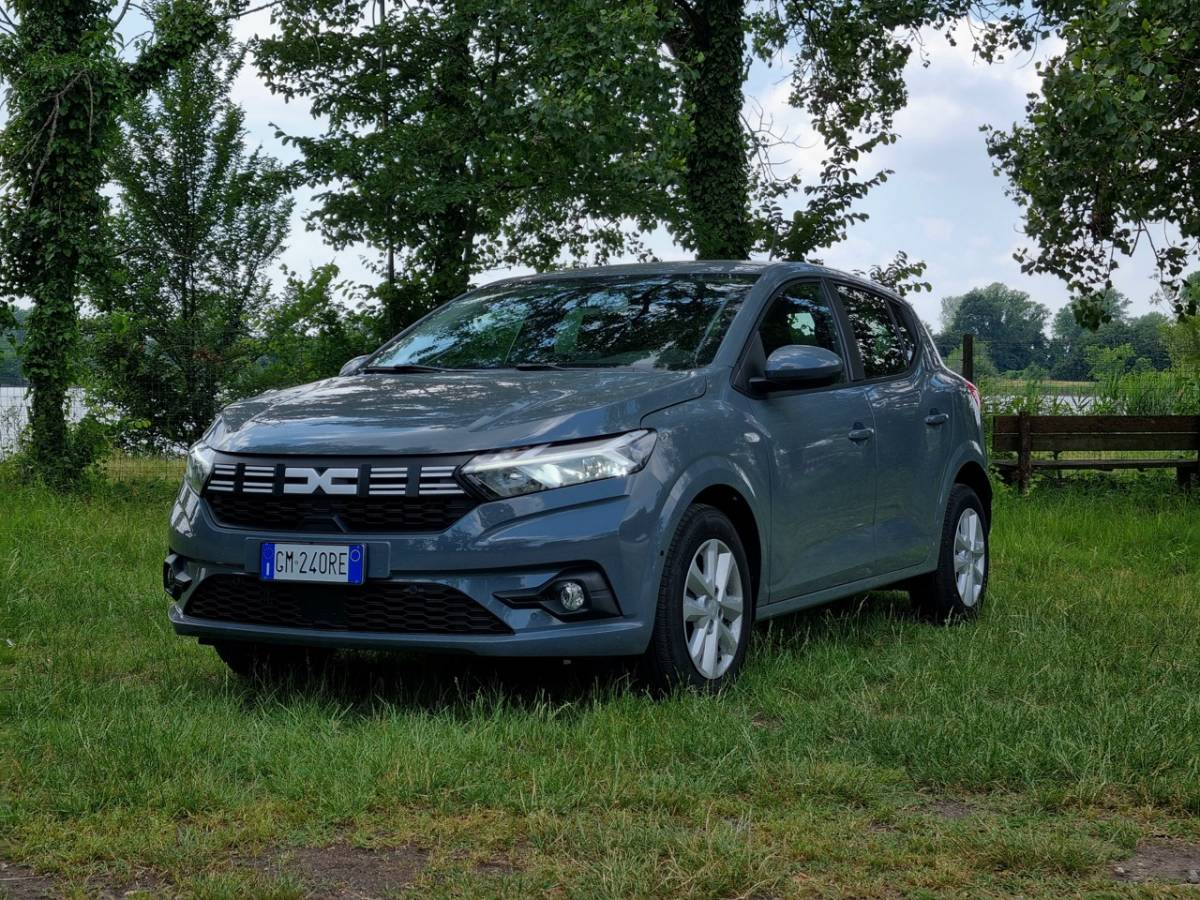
<point x="885" y="344"/>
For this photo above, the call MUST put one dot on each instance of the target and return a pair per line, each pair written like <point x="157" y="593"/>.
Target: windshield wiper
<point x="404" y="369"/>
<point x="541" y="367"/>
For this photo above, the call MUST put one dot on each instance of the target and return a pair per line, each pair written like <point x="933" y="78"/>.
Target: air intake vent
<point x="392" y="607"/>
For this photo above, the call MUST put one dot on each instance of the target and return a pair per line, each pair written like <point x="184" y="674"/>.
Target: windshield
<point x="648" y="322"/>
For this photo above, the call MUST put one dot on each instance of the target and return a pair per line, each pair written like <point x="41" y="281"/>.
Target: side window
<point x="799" y="315"/>
<point x="886" y="347"/>
<point x="908" y="340"/>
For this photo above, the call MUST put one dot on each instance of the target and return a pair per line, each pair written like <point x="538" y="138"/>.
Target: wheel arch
<point x="729" y="488"/>
<point x="736" y="508"/>
<point x="973" y="475"/>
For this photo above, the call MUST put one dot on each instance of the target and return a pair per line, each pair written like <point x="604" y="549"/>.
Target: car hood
<point x="447" y="412"/>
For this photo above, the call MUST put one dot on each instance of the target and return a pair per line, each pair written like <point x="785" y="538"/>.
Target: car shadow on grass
<point x="369" y="682"/>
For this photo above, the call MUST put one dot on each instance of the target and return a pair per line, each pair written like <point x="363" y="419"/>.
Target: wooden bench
<point x="1025" y="435"/>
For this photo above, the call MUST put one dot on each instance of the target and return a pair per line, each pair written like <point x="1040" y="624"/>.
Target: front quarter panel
<point x="702" y="444"/>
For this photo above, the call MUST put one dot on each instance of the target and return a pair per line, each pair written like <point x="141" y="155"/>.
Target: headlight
<point x="510" y="473"/>
<point x="199" y="466"/>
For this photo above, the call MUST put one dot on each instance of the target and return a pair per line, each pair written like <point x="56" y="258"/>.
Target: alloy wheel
<point x="970" y="557"/>
<point x="713" y="608"/>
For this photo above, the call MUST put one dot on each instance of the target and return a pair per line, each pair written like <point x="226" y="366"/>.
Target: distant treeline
<point x="1015" y="334"/>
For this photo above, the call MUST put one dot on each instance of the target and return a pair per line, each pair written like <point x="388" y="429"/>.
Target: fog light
<point x="571" y="595"/>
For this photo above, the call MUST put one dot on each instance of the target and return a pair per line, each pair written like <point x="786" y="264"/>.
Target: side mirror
<point x="354" y="365"/>
<point x="799" y="366"/>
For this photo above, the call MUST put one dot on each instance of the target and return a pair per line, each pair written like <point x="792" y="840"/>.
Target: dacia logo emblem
<point x="299" y="480"/>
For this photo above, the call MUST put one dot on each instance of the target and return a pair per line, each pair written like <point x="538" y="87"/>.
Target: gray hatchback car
<point x="627" y="461"/>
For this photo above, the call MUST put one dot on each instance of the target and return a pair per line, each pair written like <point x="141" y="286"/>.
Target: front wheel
<point x="705" y="605"/>
<point x="957" y="587"/>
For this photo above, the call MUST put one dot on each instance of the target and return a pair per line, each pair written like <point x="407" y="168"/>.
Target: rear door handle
<point x="858" y="433"/>
<point x="937" y="418"/>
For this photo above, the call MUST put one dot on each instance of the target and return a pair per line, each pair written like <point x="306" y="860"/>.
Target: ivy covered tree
<point x="67" y="84"/>
<point x="1108" y="156"/>
<point x="199" y="221"/>
<point x="468" y="134"/>
<point x="846" y="63"/>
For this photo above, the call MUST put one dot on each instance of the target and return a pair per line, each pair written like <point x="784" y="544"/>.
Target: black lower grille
<point x="351" y="514"/>
<point x="388" y="606"/>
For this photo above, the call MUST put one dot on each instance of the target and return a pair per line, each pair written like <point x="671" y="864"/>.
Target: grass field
<point x="863" y="753"/>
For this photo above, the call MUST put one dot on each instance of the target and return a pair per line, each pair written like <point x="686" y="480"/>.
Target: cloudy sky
<point x="942" y="205"/>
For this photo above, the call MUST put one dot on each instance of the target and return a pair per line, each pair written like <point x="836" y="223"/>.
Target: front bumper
<point x="498" y="551"/>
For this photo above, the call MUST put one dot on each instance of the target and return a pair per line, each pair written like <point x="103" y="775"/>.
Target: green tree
<point x="1072" y="342"/>
<point x="469" y="134"/>
<point x="846" y="64"/>
<point x="67" y="83"/>
<point x="310" y="332"/>
<point x="464" y="135"/>
<point x="1008" y="321"/>
<point x="1108" y="156"/>
<point x="1182" y="339"/>
<point x="199" y="221"/>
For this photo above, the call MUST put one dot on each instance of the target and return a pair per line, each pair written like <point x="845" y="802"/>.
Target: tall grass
<point x="864" y="752"/>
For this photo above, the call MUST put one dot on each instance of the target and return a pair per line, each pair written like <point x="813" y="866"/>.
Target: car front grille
<point x="350" y="514"/>
<point x="393" y="607"/>
<point x="381" y="496"/>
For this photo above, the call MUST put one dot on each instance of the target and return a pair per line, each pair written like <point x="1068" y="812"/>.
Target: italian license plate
<point x="333" y="563"/>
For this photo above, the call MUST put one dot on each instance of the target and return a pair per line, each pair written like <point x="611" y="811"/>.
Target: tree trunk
<point x="711" y="43"/>
<point x="48" y="349"/>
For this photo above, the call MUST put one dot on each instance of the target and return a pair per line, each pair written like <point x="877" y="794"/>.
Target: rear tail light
<point x="976" y="401"/>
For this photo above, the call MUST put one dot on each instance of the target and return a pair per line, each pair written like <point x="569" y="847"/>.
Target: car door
<point x="911" y="425"/>
<point x="821" y="450"/>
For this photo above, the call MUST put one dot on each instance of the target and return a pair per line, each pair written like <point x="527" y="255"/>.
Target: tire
<point x="957" y="588"/>
<point x="270" y="662"/>
<point x="717" y="619"/>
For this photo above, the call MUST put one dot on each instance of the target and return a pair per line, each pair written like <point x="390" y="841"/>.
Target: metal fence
<point x="119" y="466"/>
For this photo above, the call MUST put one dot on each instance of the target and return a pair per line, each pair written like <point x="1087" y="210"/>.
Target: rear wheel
<point x="272" y="661"/>
<point x="705" y="605"/>
<point x="957" y="587"/>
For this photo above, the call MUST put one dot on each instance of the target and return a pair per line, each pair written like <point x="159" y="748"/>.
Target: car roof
<point x="778" y="268"/>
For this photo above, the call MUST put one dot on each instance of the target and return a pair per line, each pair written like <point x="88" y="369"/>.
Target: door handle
<point x="859" y="434"/>
<point x="937" y="418"/>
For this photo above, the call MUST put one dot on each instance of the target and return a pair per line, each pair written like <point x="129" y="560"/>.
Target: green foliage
<point x="199" y="221"/>
<point x="846" y="63"/>
<point x="902" y="275"/>
<point x="981" y="358"/>
<point x="1182" y="340"/>
<point x="1072" y="341"/>
<point x="1007" y="320"/>
<point x="707" y="38"/>
<point x="473" y="134"/>
<point x="1127" y="389"/>
<point x="1108" y="156"/>
<point x="67" y="84"/>
<point x="309" y="333"/>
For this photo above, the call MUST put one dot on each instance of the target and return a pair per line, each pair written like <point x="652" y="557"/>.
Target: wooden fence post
<point x="968" y="357"/>
<point x="1024" y="452"/>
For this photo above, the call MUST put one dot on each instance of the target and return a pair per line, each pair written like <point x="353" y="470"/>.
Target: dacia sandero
<point x="637" y="461"/>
